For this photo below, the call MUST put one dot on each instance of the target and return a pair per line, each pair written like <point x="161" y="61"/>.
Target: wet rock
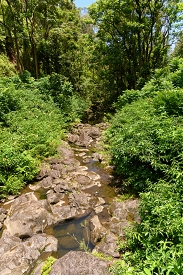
<point x="108" y="246"/>
<point x="3" y="215"/>
<point x="28" y="215"/>
<point x="46" y="183"/>
<point x="94" y="132"/>
<point x="63" y="187"/>
<point x="17" y="256"/>
<point x="54" y="198"/>
<point x="79" y="263"/>
<point x="98" y="231"/>
<point x="97" y="157"/>
<point x="68" y="242"/>
<point x="127" y="210"/>
<point x="79" y="200"/>
<point x="73" y="138"/>
<point x="63" y="212"/>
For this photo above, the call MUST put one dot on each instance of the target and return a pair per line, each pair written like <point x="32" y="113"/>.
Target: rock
<point x="54" y="174"/>
<point x="37" y="270"/>
<point x="84" y="139"/>
<point x="62" y="213"/>
<point x="43" y="173"/>
<point x="62" y="187"/>
<point x="98" y="231"/>
<point x="46" y="183"/>
<point x="54" y="198"/>
<point x="108" y="246"/>
<point x="79" y="263"/>
<point x="56" y="166"/>
<point x="123" y="214"/>
<point x="27" y="216"/>
<point x="94" y="132"/>
<point x="93" y="176"/>
<point x="73" y="138"/>
<point x="68" y="242"/>
<point x="66" y="152"/>
<point x="79" y="200"/>
<point x="16" y="256"/>
<point x="127" y="210"/>
<point x="82" y="179"/>
<point x="97" y="157"/>
<point x="3" y="214"/>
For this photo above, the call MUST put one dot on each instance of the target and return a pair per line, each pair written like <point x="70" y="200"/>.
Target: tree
<point x="133" y="39"/>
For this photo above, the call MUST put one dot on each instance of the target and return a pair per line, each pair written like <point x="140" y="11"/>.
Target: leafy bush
<point x="170" y="101"/>
<point x="155" y="245"/>
<point x="34" y="128"/>
<point x="146" y="139"/>
<point x="8" y="103"/>
<point x="6" y="67"/>
<point x="61" y="90"/>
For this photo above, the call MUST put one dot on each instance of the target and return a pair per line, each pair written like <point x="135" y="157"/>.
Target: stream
<point x="72" y="206"/>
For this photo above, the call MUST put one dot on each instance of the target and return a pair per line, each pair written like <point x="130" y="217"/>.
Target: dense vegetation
<point x="33" y="118"/>
<point x="146" y="139"/>
<point x="57" y="61"/>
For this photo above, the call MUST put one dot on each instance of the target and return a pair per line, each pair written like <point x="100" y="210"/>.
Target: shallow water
<point x="73" y="235"/>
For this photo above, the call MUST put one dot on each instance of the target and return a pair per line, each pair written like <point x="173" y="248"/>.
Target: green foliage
<point x="61" y="90"/>
<point x="6" y="67"/>
<point x="48" y="266"/>
<point x="155" y="245"/>
<point x="33" y="129"/>
<point x="146" y="139"/>
<point x="170" y="101"/>
<point x="8" y="103"/>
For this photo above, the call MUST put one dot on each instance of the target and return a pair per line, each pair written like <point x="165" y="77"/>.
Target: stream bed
<point x="72" y="207"/>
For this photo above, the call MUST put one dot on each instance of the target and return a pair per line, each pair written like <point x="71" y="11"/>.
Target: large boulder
<point x="108" y="246"/>
<point x="27" y="216"/>
<point x="123" y="214"/>
<point x="16" y="256"/>
<point x="79" y="263"/>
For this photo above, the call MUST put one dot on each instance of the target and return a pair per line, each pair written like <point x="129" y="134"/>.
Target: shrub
<point x="6" y="67"/>
<point x="34" y="128"/>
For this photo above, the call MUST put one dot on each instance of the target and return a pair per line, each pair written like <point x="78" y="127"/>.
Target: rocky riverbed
<point x="72" y="202"/>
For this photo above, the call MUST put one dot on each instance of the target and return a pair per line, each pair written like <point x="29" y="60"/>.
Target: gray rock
<point x="127" y="210"/>
<point x="46" y="183"/>
<point x="108" y="246"/>
<point x="79" y="200"/>
<point x="94" y="132"/>
<point x="16" y="256"/>
<point x="79" y="263"/>
<point x="54" y="198"/>
<point x="27" y="216"/>
<point x="73" y="138"/>
<point x="98" y="231"/>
